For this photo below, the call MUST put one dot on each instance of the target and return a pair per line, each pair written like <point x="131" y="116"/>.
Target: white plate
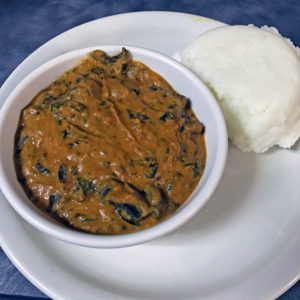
<point x="244" y="244"/>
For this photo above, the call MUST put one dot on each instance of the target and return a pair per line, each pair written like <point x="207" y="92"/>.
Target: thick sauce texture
<point x="110" y="147"/>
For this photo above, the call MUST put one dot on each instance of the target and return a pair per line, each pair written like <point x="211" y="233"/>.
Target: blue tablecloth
<point x="29" y="24"/>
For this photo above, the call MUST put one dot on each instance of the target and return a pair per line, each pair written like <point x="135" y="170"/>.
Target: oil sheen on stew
<point x="109" y="147"/>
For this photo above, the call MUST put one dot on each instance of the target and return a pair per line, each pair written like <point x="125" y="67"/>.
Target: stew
<point x="109" y="147"/>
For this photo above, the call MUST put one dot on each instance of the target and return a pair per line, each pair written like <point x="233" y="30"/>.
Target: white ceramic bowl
<point x="182" y="80"/>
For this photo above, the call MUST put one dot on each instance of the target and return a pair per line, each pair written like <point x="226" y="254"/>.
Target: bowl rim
<point x="38" y="219"/>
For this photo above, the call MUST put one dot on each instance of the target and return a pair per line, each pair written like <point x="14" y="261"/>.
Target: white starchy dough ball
<point x="255" y="75"/>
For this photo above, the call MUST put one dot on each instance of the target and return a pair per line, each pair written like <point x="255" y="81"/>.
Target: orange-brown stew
<point x="109" y="147"/>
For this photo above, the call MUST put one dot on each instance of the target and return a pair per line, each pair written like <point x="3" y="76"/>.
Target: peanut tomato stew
<point x="109" y="147"/>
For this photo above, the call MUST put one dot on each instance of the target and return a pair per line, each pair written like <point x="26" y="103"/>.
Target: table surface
<point x="42" y="20"/>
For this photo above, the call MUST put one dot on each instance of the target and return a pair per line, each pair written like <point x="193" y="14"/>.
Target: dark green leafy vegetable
<point x="147" y="158"/>
<point x="128" y="212"/>
<point x="104" y="192"/>
<point x="83" y="218"/>
<point x="124" y="67"/>
<point x="112" y="59"/>
<point x="42" y="169"/>
<point x="97" y="70"/>
<point x="64" y="133"/>
<point x="58" y="103"/>
<point x="139" y="115"/>
<point x="151" y="171"/>
<point x="102" y="103"/>
<point x="99" y="83"/>
<point x="173" y="206"/>
<point x="197" y="167"/>
<point x="62" y="174"/>
<point x="178" y="175"/>
<point x="54" y="199"/>
<point x="131" y="115"/>
<point x="22" y="142"/>
<point x="142" y="117"/>
<point x="47" y="100"/>
<point x="166" y="116"/>
<point x="107" y="164"/>
<point x="85" y="75"/>
<point x="137" y="91"/>
<point x="86" y="185"/>
<point x="203" y="129"/>
<point x="118" y="181"/>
